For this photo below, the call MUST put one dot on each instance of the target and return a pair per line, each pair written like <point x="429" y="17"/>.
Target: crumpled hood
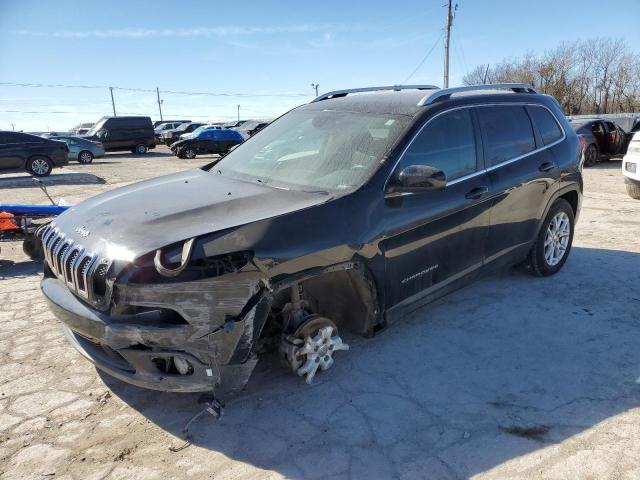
<point x="133" y="220"/>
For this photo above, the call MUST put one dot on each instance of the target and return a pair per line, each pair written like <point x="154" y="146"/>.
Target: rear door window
<point x="508" y="133"/>
<point x="546" y="123"/>
<point x="447" y="143"/>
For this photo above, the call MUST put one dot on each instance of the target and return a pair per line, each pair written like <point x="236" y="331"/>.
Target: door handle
<point x="476" y="193"/>
<point x="546" y="167"/>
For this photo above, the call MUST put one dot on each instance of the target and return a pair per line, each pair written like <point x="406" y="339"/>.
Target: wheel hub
<point x="557" y="238"/>
<point x="312" y="347"/>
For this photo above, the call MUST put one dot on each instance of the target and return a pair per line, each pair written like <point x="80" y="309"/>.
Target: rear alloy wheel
<point x="39" y="166"/>
<point x="189" y="152"/>
<point x="141" y="149"/>
<point x="590" y="156"/>
<point x="311" y="346"/>
<point x="85" y="157"/>
<point x="553" y="244"/>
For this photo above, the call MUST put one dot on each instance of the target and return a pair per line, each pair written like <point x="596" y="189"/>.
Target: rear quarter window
<point x="508" y="133"/>
<point x="546" y="123"/>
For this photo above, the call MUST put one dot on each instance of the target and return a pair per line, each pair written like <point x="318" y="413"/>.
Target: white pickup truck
<point x="631" y="167"/>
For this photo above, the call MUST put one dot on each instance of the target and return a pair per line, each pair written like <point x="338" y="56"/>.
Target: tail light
<point x="612" y="137"/>
<point x="583" y="143"/>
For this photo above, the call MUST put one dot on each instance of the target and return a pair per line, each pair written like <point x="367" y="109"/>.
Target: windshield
<point x="96" y="127"/>
<point x="315" y="150"/>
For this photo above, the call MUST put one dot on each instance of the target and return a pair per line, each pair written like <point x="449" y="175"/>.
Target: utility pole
<point x="238" y="112"/>
<point x="13" y="127"/>
<point x="446" y="45"/>
<point x="315" y="85"/>
<point x="159" y="103"/>
<point x="113" y="103"/>
<point x="486" y="72"/>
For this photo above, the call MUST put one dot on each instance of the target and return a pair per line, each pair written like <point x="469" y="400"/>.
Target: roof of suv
<point x="407" y="100"/>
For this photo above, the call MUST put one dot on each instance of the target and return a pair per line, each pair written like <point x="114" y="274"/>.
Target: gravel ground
<point x="513" y="377"/>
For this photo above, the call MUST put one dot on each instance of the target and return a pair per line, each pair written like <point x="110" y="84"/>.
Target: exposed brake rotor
<point x="311" y="346"/>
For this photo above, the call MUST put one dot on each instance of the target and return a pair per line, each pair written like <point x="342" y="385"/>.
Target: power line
<point x="424" y="59"/>
<point x="145" y="90"/>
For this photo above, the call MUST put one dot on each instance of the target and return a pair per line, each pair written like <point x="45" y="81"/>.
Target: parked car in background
<point x="123" y="133"/>
<point x="213" y="140"/>
<point x="81" y="149"/>
<point x="198" y="130"/>
<point x="386" y="202"/>
<point x="631" y="167"/>
<point x="82" y="129"/>
<point x="233" y="124"/>
<point x="160" y="122"/>
<point x="603" y="139"/>
<point x="251" y="127"/>
<point x="37" y="155"/>
<point x="170" y="136"/>
<point x="163" y="127"/>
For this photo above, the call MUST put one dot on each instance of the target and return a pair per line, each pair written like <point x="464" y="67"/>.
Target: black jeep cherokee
<point x="334" y="217"/>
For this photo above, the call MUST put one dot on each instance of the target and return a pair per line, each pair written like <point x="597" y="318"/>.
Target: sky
<point x="261" y="55"/>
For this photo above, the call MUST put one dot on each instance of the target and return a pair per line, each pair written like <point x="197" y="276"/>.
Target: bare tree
<point x="600" y="75"/>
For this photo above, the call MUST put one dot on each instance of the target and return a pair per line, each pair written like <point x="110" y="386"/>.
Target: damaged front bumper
<point x="214" y="345"/>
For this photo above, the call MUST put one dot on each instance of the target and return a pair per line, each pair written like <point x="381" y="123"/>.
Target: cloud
<point x="179" y="32"/>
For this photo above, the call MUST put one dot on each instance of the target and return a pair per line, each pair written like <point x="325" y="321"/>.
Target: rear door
<point x="436" y="237"/>
<point x="615" y="140"/>
<point x="522" y="172"/>
<point x="12" y="151"/>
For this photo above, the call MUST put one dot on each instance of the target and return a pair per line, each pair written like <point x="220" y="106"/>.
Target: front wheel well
<point x="572" y="198"/>
<point x="348" y="297"/>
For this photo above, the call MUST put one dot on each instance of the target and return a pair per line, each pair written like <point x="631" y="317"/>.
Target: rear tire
<point x="140" y="149"/>
<point x="85" y="157"/>
<point x="39" y="166"/>
<point x="550" y="250"/>
<point x="590" y="156"/>
<point x="633" y="189"/>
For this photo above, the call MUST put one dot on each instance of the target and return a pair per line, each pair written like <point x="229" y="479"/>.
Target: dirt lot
<point x="514" y="377"/>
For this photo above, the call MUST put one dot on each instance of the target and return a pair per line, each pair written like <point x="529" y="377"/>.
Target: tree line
<point x="600" y="75"/>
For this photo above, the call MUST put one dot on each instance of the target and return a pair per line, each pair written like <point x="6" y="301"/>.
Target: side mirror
<point x="416" y="179"/>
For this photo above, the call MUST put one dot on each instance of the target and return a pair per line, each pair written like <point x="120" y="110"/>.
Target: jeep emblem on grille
<point x="83" y="231"/>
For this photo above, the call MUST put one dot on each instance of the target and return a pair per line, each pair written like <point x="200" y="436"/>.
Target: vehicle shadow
<point x="149" y="154"/>
<point x="503" y="368"/>
<point x="73" y="178"/>
<point x="11" y="269"/>
<point x="611" y="164"/>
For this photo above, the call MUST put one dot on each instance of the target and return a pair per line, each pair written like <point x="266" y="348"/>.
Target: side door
<point x="600" y="134"/>
<point x="207" y="141"/>
<point x="614" y="138"/>
<point x="522" y="173"/>
<point x="436" y="237"/>
<point x="11" y="151"/>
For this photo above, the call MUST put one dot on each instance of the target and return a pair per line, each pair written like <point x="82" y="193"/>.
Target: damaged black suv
<point x="334" y="218"/>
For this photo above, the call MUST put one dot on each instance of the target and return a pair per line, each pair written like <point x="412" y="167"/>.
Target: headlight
<point x="634" y="147"/>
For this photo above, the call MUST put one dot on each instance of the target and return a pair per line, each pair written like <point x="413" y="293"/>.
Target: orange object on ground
<point x="7" y="221"/>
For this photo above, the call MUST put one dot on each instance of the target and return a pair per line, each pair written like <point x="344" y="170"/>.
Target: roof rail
<point x="343" y="93"/>
<point x="447" y="92"/>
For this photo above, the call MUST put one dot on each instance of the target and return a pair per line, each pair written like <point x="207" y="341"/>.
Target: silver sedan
<point x="81" y="149"/>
